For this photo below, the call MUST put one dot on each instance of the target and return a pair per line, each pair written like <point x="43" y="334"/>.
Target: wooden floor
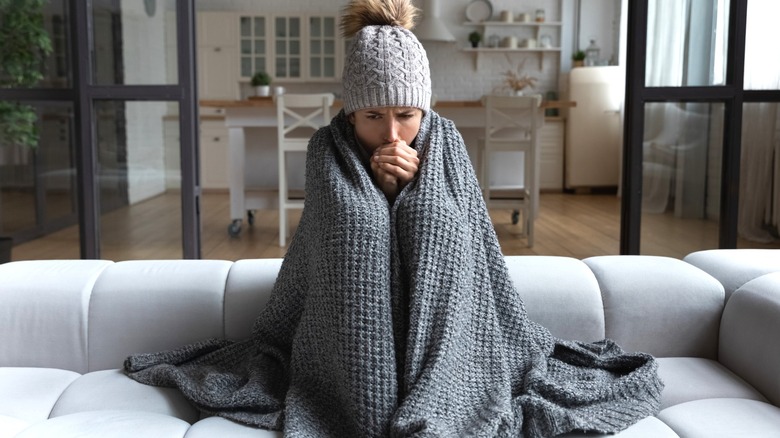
<point x="574" y="225"/>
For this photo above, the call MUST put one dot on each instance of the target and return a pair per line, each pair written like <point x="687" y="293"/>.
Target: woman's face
<point x="377" y="126"/>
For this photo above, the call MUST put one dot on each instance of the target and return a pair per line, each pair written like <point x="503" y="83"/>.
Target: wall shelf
<point x="514" y="23"/>
<point x="528" y="30"/>
<point x="479" y="51"/>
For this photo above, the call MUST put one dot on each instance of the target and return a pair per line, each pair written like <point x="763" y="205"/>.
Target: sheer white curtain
<point x="666" y="33"/>
<point x="759" y="195"/>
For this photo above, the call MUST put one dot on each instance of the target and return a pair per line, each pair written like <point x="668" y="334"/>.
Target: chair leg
<point x="282" y="200"/>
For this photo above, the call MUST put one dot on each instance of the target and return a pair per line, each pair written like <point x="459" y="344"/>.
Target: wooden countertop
<point x="268" y="102"/>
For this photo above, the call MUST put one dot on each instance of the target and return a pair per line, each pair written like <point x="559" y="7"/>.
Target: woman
<point x="393" y="313"/>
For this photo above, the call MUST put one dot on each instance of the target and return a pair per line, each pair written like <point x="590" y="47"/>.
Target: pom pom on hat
<point x="386" y="65"/>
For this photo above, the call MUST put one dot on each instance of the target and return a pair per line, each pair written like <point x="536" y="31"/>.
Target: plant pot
<point x="579" y="63"/>
<point x="6" y="243"/>
<point x="263" y="90"/>
<point x="475" y="44"/>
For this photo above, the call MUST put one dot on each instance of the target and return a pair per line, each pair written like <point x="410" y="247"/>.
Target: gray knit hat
<point x="386" y="65"/>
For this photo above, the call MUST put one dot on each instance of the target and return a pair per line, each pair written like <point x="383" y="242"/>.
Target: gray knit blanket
<point x="401" y="320"/>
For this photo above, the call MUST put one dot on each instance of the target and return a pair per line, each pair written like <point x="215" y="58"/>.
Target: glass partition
<point x="759" y="182"/>
<point x="135" y="42"/>
<point x="38" y="181"/>
<point x="762" y="68"/>
<point x="140" y="179"/>
<point x="686" y="42"/>
<point x="681" y="177"/>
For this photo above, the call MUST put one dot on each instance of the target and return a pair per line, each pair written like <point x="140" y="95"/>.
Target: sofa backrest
<point x="87" y="315"/>
<point x="659" y="305"/>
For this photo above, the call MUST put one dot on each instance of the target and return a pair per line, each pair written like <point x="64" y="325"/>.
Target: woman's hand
<point x="394" y="165"/>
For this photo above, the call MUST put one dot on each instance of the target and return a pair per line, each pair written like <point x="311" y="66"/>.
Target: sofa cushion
<point x="29" y="394"/>
<point x="113" y="390"/>
<point x="735" y="267"/>
<point x="748" y="335"/>
<point x="154" y="305"/>
<point x="44" y="304"/>
<point x="114" y="424"/>
<point x="723" y="418"/>
<point x="659" y="305"/>
<point x="248" y="288"/>
<point x="561" y="294"/>
<point x="10" y="426"/>
<point x="691" y="378"/>
<point x="645" y="428"/>
<point x="220" y="427"/>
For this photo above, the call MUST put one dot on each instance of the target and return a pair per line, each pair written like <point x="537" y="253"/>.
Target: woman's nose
<point x="391" y="130"/>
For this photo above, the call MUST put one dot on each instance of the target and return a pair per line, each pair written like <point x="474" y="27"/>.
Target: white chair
<point x="512" y="124"/>
<point x="298" y="117"/>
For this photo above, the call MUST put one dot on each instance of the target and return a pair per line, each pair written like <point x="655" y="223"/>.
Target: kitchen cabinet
<point x="217" y="55"/>
<point x="292" y="48"/>
<point x="551" y="140"/>
<point x="214" y="147"/>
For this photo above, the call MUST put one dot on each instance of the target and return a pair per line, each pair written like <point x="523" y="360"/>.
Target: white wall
<point x="454" y="72"/>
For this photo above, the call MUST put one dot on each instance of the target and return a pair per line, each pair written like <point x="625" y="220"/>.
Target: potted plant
<point x="579" y="58"/>
<point x="262" y="83"/>
<point x="475" y="37"/>
<point x="26" y="45"/>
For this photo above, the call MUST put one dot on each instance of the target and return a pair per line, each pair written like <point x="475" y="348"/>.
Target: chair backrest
<point x="512" y="124"/>
<point x="515" y="117"/>
<point x="300" y="115"/>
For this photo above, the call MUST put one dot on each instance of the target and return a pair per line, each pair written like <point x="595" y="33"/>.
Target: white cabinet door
<point x="214" y="154"/>
<point x="551" y="138"/>
<point x="217" y="55"/>
<point x="217" y="75"/>
<point x="217" y="29"/>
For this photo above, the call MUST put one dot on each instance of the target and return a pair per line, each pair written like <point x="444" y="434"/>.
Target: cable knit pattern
<point x="386" y="66"/>
<point x="402" y="321"/>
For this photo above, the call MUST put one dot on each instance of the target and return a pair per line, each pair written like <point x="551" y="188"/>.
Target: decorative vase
<point x="263" y="90"/>
<point x="517" y="93"/>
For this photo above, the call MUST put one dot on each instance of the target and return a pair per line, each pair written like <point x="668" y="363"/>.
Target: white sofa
<point x="67" y="325"/>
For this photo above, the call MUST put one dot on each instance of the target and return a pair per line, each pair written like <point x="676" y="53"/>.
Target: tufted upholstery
<point x="67" y="325"/>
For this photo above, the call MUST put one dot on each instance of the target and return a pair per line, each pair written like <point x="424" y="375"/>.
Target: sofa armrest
<point x="735" y="267"/>
<point x="659" y="305"/>
<point x="750" y="335"/>
<point x="44" y="312"/>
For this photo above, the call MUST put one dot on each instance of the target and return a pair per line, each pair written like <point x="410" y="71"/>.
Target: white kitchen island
<point x="240" y="115"/>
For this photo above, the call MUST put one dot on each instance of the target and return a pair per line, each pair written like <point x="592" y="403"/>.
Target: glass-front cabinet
<point x="254" y="56"/>
<point x="290" y="48"/>
<point x="287" y="47"/>
<point x="322" y="44"/>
